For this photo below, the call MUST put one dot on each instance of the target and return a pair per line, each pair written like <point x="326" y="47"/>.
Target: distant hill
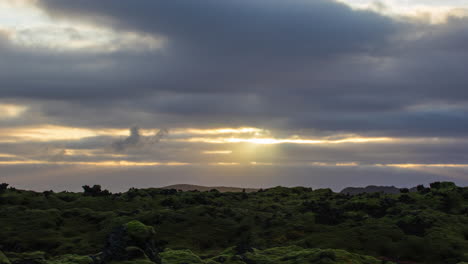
<point x="371" y="189"/>
<point x="190" y="187"/>
<point x="348" y="190"/>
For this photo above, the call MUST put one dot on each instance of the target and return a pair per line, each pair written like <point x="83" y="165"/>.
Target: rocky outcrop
<point x="132" y="241"/>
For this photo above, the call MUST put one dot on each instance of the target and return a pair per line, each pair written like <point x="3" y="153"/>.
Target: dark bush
<point x="3" y="187"/>
<point x="95" y="191"/>
<point x="404" y="190"/>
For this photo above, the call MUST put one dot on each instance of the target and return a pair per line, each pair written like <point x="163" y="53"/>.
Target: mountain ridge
<point x="347" y="190"/>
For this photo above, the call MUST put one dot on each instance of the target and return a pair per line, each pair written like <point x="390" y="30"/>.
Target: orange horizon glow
<point x="109" y="163"/>
<point x="221" y="152"/>
<point x="274" y="141"/>
<point x="124" y="163"/>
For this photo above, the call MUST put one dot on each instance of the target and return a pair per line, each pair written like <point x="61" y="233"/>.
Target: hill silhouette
<point x="191" y="187"/>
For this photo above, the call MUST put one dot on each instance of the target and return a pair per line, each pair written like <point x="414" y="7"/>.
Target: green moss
<point x="133" y="261"/>
<point x="226" y="259"/>
<point x="70" y="259"/>
<point x="278" y="255"/>
<point x="294" y="254"/>
<point x="135" y="253"/>
<point x="138" y="231"/>
<point x="4" y="259"/>
<point x="429" y="226"/>
<point x="36" y="257"/>
<point x="180" y="256"/>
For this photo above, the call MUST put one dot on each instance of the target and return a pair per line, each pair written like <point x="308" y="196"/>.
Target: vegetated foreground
<point x="278" y="225"/>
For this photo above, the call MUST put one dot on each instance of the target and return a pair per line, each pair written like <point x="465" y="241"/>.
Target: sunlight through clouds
<point x="8" y="111"/>
<point x="426" y="10"/>
<point x="45" y="133"/>
<point x="112" y="163"/>
<point x="219" y="152"/>
<point x="274" y="141"/>
<point x="29" y="27"/>
<point x="336" y="86"/>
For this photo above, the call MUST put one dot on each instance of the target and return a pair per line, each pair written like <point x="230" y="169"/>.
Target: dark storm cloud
<point x="401" y="123"/>
<point x="235" y="46"/>
<point x="281" y="65"/>
<point x="264" y="28"/>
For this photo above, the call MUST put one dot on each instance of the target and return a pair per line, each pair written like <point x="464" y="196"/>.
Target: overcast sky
<point x="253" y="93"/>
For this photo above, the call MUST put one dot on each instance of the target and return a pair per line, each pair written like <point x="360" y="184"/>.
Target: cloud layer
<point x="307" y="70"/>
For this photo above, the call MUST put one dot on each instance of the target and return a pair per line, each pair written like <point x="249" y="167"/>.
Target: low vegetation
<point x="277" y="225"/>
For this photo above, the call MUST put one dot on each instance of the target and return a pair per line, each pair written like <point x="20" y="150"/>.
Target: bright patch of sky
<point x="28" y="26"/>
<point x="434" y="11"/>
<point x="8" y="111"/>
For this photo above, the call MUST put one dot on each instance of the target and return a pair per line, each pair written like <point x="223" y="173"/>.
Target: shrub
<point x="70" y="259"/>
<point x="3" y="187"/>
<point x="139" y="231"/>
<point x="180" y="256"/>
<point x="404" y="190"/>
<point x="330" y="254"/>
<point x="95" y="191"/>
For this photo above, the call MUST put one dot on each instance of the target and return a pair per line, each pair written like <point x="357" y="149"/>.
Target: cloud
<point x="216" y="52"/>
<point x="422" y="10"/>
<point x="132" y="141"/>
<point x="9" y="111"/>
<point x="158" y="136"/>
<point x="316" y="69"/>
<point x="258" y="27"/>
<point x="301" y="65"/>
<point x="136" y="140"/>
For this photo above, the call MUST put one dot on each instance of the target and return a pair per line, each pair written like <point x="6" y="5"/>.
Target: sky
<point x="249" y="93"/>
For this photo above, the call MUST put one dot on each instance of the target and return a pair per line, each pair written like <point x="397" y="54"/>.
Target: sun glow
<point x="218" y="131"/>
<point x="8" y="111"/>
<point x="214" y="152"/>
<point x="225" y="164"/>
<point x="255" y="163"/>
<point x="6" y="155"/>
<point x="109" y="163"/>
<point x="274" y="141"/>
<point x="46" y="133"/>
